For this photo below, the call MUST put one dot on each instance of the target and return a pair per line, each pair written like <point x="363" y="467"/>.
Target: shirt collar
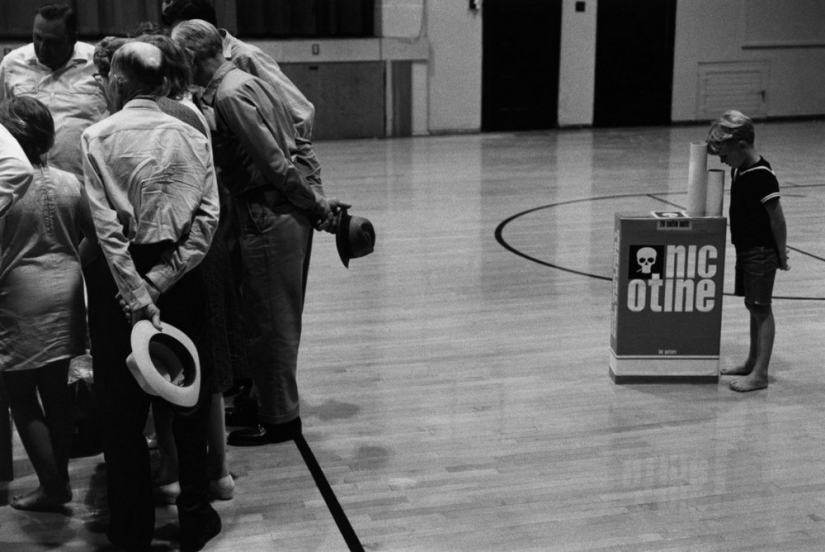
<point x="142" y="102"/>
<point x="211" y="89"/>
<point x="228" y="40"/>
<point x="77" y="58"/>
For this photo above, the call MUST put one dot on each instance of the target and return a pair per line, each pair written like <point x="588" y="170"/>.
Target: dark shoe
<point x="210" y="530"/>
<point x="242" y="414"/>
<point x="265" y="434"/>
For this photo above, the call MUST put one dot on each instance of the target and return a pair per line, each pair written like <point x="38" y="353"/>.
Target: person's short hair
<point x="185" y="10"/>
<point x="140" y="70"/>
<point x="144" y="28"/>
<point x="176" y="63"/>
<point x="53" y="12"/>
<point x="732" y="126"/>
<point x="105" y="51"/>
<point x="31" y="124"/>
<point x="200" y="38"/>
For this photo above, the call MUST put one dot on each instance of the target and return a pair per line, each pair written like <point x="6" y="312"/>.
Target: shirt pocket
<point x="23" y="88"/>
<point x="82" y="84"/>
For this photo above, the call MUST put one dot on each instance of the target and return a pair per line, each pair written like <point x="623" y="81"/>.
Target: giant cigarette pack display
<point x="668" y="275"/>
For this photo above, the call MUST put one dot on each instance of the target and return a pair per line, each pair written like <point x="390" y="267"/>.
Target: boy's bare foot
<point x="743" y="370"/>
<point x="39" y="501"/>
<point x="749" y="383"/>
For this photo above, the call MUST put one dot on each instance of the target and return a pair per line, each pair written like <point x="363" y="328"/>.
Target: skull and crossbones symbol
<point x="646" y="257"/>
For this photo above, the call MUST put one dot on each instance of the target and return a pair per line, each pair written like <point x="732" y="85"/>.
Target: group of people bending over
<point x="171" y="175"/>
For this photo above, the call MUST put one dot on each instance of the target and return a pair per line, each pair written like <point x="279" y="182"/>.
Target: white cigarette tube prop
<point x="716" y="191"/>
<point x="697" y="179"/>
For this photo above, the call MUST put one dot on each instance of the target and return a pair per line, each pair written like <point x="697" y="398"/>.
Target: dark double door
<point x="521" y="44"/>
<point x="634" y="62"/>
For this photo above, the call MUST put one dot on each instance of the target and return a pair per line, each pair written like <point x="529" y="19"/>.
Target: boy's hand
<point x="783" y="261"/>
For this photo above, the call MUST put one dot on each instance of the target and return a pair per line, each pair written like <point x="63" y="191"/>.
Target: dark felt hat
<point x="354" y="236"/>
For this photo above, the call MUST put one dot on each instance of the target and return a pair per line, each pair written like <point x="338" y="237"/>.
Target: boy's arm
<point x="780" y="232"/>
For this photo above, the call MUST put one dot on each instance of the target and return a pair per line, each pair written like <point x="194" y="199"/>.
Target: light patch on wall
<point x="402" y="18"/>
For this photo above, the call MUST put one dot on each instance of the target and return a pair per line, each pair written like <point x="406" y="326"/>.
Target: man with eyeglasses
<point x="59" y="71"/>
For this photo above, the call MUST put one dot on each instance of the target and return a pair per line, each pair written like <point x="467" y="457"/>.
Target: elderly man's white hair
<point x="200" y="38"/>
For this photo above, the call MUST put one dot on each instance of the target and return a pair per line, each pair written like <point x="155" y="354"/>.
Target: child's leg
<point x="221" y="483"/>
<point x="217" y="439"/>
<point x="168" y="468"/>
<point x="747" y="367"/>
<point x="762" y="322"/>
<point x="45" y="436"/>
<point x="742" y="269"/>
<point x="756" y="272"/>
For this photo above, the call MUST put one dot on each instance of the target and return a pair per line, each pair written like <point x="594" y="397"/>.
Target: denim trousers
<point x="275" y="241"/>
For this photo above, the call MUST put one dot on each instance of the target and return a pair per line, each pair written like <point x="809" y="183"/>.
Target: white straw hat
<point x="165" y="363"/>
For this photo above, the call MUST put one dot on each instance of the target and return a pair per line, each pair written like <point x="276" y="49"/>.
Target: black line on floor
<point x="800" y="251"/>
<point x="334" y="506"/>
<point x="499" y="234"/>
<point x="811" y="255"/>
<point x="657" y="198"/>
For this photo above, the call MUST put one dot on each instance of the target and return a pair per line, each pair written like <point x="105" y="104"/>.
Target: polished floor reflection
<point x="457" y="395"/>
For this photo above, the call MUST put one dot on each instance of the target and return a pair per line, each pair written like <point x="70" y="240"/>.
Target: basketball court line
<point x="499" y="234"/>
<point x="341" y="520"/>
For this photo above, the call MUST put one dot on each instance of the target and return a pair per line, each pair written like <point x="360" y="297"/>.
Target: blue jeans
<point x="275" y="242"/>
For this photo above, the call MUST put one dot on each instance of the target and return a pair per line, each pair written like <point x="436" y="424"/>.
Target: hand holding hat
<point x="354" y="236"/>
<point x="147" y="312"/>
<point x="150" y="312"/>
<point x="331" y="207"/>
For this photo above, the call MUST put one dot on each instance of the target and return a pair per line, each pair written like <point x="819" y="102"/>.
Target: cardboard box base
<point x="629" y="370"/>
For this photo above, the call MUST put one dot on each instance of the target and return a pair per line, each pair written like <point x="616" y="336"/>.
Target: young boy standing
<point x="758" y="232"/>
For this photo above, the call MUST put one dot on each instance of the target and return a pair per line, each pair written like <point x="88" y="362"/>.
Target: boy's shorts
<point x="755" y="274"/>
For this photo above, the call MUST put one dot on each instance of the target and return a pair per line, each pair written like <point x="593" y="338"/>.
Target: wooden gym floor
<point x="457" y="396"/>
